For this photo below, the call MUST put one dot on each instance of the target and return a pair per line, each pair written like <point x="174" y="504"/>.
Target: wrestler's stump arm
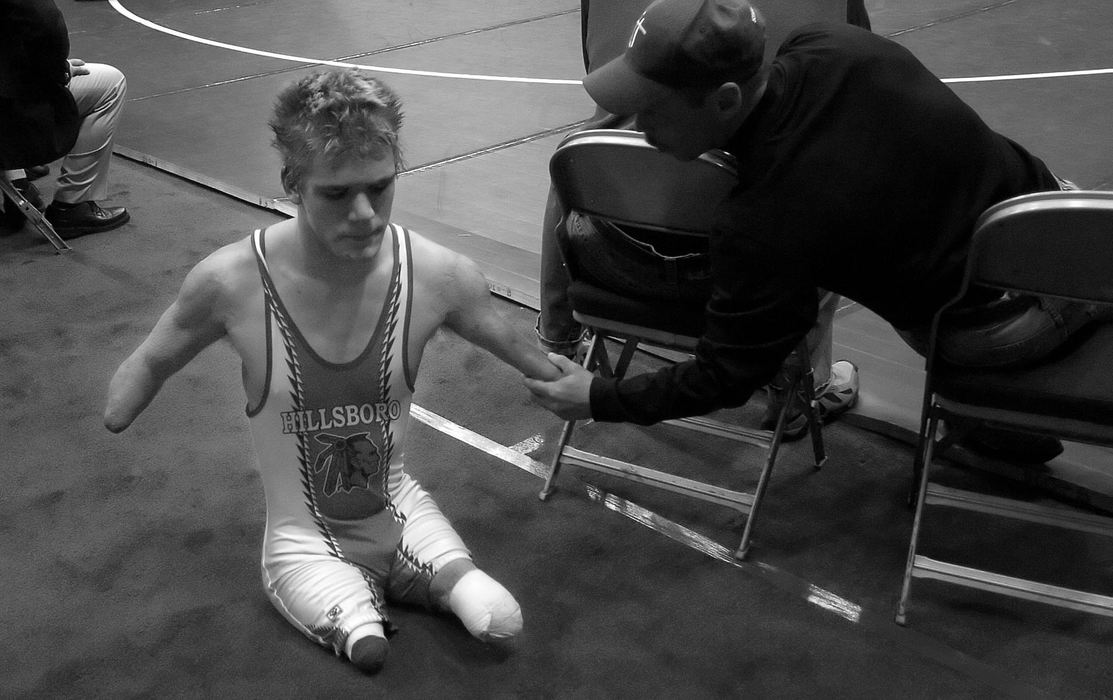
<point x="470" y="312"/>
<point x="193" y="322"/>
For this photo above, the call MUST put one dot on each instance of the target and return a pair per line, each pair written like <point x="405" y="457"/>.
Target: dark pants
<point x="995" y="330"/>
<point x="1008" y="331"/>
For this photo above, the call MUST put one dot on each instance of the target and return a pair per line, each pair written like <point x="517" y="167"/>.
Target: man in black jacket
<point x="861" y="173"/>
<point x="605" y="29"/>
<point x="53" y="106"/>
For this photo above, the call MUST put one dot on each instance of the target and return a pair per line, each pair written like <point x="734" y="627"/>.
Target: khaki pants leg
<point x="100" y="100"/>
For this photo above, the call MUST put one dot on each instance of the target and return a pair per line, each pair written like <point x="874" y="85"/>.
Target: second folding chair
<point x="616" y="176"/>
<point x="1052" y="244"/>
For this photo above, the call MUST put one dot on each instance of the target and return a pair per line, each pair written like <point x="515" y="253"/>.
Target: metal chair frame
<point x="1057" y="244"/>
<point x="615" y="175"/>
<point x="33" y="215"/>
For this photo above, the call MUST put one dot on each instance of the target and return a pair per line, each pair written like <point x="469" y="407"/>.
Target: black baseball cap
<point x="678" y="44"/>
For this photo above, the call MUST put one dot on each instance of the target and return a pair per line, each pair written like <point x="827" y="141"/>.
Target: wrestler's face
<point x="681" y="125"/>
<point x="345" y="206"/>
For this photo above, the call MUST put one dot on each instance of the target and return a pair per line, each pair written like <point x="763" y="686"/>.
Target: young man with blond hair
<point x="330" y="313"/>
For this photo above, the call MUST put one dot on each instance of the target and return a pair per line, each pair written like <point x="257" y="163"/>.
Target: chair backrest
<point x="616" y="175"/>
<point x="1049" y="243"/>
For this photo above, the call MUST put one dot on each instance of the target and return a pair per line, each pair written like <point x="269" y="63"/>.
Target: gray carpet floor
<point x="130" y="562"/>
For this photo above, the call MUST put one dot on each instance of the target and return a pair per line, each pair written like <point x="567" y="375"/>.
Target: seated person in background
<point x="861" y="173"/>
<point x="605" y="33"/>
<point x="330" y="313"/>
<point x="54" y="106"/>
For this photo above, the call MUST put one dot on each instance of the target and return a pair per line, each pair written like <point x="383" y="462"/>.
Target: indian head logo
<point x="347" y="462"/>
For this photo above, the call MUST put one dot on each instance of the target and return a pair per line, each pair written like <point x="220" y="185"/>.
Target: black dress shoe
<point x="73" y="220"/>
<point x="1012" y="445"/>
<point x="36" y="172"/>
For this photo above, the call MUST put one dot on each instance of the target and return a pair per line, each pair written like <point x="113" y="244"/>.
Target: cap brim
<point x="619" y="89"/>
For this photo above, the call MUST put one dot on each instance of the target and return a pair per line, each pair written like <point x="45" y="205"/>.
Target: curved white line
<point x="301" y="59"/>
<point x="1031" y="76"/>
<point x="512" y="79"/>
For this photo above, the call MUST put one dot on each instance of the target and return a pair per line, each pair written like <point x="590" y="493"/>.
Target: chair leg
<point x="924" y="454"/>
<point x="766" y="472"/>
<point x="36" y="219"/>
<point x="802" y="382"/>
<point x="955" y="433"/>
<point x="554" y="468"/>
<point x="917" y="462"/>
<point x="602" y="361"/>
<point x="596" y="354"/>
<point x="917" y="472"/>
<point x="759" y="492"/>
<point x="806" y="386"/>
<point x="625" y="357"/>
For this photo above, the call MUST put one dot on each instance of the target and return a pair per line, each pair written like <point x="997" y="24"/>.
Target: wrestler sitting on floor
<point x="330" y="313"/>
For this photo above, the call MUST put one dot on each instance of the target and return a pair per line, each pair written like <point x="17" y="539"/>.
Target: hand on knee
<point x="486" y="608"/>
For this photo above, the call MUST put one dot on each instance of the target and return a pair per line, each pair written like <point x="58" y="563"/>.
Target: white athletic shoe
<point x="834" y="398"/>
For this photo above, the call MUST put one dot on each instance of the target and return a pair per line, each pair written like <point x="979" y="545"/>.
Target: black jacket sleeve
<point x="38" y="116"/>
<point x="761" y="306"/>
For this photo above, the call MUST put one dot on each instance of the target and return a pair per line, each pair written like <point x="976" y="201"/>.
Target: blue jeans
<point x="1006" y="330"/>
<point x="1010" y="330"/>
<point x="637" y="262"/>
<point x="556" y="329"/>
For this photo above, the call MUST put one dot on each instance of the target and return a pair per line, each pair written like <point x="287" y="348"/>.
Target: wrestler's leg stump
<point x="367" y="648"/>
<point x="487" y="609"/>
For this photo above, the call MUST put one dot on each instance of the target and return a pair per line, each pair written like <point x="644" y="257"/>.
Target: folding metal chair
<point x="1057" y="244"/>
<point x="616" y="176"/>
<point x="33" y="215"/>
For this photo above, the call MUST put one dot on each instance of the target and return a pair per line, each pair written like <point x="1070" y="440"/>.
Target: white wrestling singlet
<point x="345" y="523"/>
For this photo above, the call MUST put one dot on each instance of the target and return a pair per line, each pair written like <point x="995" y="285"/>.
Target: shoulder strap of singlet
<point x="258" y="244"/>
<point x="406" y="280"/>
<point x="259" y="247"/>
